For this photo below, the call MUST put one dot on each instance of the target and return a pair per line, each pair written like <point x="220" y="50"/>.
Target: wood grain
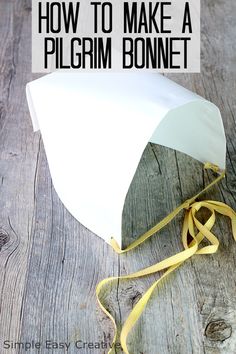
<point x="50" y="264"/>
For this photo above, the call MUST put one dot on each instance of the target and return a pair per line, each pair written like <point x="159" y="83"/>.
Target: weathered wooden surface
<point x="50" y="264"/>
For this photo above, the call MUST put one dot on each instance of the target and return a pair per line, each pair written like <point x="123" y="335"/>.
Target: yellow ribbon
<point x="191" y="223"/>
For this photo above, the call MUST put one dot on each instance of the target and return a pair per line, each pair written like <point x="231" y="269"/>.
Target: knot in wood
<point x="4" y="238"/>
<point x="218" y="330"/>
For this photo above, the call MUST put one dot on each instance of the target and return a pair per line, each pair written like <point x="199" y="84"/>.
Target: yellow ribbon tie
<point x="190" y="224"/>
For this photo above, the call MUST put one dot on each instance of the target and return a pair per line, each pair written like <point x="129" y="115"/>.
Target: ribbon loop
<point x="191" y="224"/>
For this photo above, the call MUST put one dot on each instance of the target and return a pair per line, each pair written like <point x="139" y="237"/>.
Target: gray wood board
<point x="50" y="264"/>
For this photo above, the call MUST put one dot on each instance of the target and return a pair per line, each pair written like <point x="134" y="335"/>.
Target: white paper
<point x="96" y="126"/>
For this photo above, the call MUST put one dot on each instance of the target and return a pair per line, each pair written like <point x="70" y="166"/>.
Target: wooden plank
<point x="18" y="165"/>
<point x="50" y="264"/>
